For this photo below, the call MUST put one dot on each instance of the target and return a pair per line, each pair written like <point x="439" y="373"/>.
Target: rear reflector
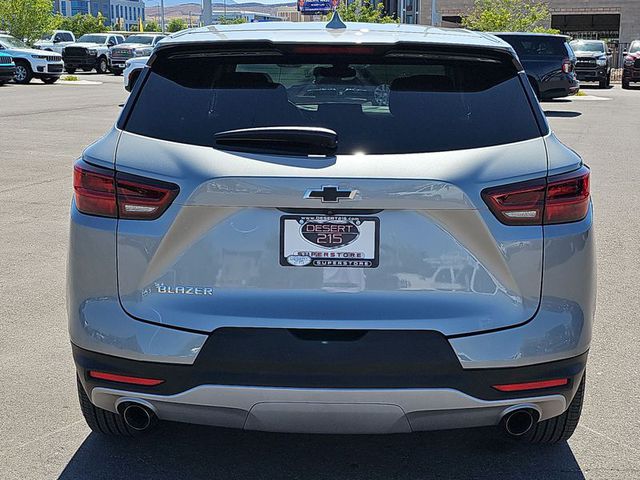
<point x="518" y="387"/>
<point x="556" y="199"/>
<point x="112" y="377"/>
<point x="105" y="193"/>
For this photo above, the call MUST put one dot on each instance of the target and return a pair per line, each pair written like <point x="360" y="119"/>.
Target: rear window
<point x="527" y="45"/>
<point x="375" y="104"/>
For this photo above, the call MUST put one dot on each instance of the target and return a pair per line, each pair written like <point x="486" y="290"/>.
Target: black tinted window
<point x="526" y="45"/>
<point x="375" y="106"/>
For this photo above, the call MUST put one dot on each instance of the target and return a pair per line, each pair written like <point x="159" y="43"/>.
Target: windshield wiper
<point x="279" y="140"/>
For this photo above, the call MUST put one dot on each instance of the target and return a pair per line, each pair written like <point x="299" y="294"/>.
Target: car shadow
<point x="175" y="451"/>
<point x="561" y="114"/>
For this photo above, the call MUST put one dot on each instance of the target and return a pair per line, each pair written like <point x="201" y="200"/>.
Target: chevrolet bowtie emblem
<point x="331" y="194"/>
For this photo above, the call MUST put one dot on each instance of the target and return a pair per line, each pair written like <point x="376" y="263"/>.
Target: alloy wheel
<point x="21" y="73"/>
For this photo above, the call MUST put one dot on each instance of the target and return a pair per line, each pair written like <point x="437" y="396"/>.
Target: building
<point x="291" y="14"/>
<point x="69" y="8"/>
<point x="219" y="15"/>
<point x="116" y="12"/>
<point x="617" y="20"/>
<point x="124" y="13"/>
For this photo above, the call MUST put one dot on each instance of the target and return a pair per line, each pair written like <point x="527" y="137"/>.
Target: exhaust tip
<point x="519" y="422"/>
<point x="138" y="417"/>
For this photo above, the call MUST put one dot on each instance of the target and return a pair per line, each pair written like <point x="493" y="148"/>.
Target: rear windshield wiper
<point x="279" y="140"/>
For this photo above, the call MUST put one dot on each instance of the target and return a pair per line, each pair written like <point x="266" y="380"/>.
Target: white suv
<point x="30" y="63"/>
<point x="55" y="41"/>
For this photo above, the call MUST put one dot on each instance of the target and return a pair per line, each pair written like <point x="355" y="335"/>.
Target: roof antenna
<point x="336" y="22"/>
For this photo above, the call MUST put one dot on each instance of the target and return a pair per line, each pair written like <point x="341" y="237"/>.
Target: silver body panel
<point x="328" y="410"/>
<point x="227" y="214"/>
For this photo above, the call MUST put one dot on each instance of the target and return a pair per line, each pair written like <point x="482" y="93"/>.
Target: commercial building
<point x="616" y="20"/>
<point x="116" y="12"/>
<point x="69" y="8"/>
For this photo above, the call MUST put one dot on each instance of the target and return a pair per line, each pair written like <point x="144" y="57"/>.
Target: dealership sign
<point x="316" y="7"/>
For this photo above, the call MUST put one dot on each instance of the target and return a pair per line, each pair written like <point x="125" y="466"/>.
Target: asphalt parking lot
<point x="43" y="129"/>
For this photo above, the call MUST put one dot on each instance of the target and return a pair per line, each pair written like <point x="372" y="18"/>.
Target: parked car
<point x="593" y="61"/>
<point x="31" y="63"/>
<point x="133" y="68"/>
<point x="631" y="71"/>
<point x="7" y="68"/>
<point x="236" y="248"/>
<point x="139" y="45"/>
<point x="90" y="52"/>
<point x="55" y="41"/>
<point x="549" y="62"/>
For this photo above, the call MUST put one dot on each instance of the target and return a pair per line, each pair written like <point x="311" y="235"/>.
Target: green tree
<point x="231" y="21"/>
<point x="27" y="19"/>
<point x="509" y="16"/>
<point x="177" y="24"/>
<point x="363" y="11"/>
<point x="152" y="26"/>
<point x="81" y="24"/>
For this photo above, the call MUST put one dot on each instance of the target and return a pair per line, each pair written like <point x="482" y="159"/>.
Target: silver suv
<point x="332" y="229"/>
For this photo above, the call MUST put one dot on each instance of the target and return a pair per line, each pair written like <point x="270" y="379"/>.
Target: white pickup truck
<point x="55" y="41"/>
<point x="91" y="51"/>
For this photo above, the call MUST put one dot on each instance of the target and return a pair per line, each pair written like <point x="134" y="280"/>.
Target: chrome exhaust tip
<point x="520" y="421"/>
<point x="138" y="416"/>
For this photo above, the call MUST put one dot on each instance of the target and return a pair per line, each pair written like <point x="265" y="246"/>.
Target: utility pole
<point x="162" y="16"/>
<point x="434" y="12"/>
<point x="206" y="13"/>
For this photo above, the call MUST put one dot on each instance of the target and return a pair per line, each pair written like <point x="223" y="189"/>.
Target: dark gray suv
<point x="548" y="61"/>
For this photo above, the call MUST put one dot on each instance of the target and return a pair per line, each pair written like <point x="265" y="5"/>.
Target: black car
<point x="593" y="61"/>
<point x="548" y="61"/>
<point x="7" y="68"/>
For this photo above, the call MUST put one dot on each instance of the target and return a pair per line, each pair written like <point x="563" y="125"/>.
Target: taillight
<point x="567" y="197"/>
<point x="95" y="190"/>
<point x="557" y="199"/>
<point x="334" y="49"/>
<point x="567" y="65"/>
<point x="103" y="192"/>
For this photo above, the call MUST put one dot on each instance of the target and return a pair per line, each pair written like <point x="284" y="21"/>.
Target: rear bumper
<point x="558" y="86"/>
<point x="443" y="402"/>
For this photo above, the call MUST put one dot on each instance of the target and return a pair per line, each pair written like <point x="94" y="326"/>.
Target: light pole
<point x="162" y="15"/>
<point x="434" y="12"/>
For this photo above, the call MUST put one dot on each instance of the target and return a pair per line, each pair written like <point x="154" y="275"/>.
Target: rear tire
<point x="50" y="80"/>
<point x="560" y="428"/>
<point x="86" y="69"/>
<point x="602" y="83"/>
<point x="116" y="71"/>
<point x="103" y="421"/>
<point x="625" y="84"/>
<point x="70" y="71"/>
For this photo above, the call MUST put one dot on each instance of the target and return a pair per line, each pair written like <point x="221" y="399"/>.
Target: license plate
<point x="329" y="241"/>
